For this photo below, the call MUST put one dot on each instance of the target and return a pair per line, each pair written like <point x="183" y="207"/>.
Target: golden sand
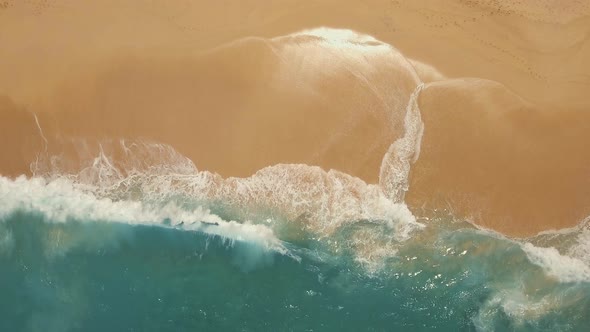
<point x="505" y="110"/>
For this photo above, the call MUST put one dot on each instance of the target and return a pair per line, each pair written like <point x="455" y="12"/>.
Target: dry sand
<point x="507" y="113"/>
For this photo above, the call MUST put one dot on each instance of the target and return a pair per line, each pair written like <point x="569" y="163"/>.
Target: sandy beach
<point x="238" y="86"/>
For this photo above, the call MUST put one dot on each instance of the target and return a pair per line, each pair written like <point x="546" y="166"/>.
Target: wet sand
<point x="506" y="111"/>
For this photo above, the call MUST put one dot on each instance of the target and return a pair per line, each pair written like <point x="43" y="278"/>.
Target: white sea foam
<point x="328" y="201"/>
<point x="556" y="265"/>
<point x="581" y="248"/>
<point x="60" y="201"/>
<point x="321" y="201"/>
<point x="395" y="169"/>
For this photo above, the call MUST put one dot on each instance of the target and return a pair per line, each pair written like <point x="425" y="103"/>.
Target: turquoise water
<point x="93" y="274"/>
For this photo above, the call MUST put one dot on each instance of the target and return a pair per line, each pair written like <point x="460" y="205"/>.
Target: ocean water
<point x="77" y="259"/>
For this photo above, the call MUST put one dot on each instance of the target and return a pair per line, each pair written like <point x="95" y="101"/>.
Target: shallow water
<point x="121" y="265"/>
